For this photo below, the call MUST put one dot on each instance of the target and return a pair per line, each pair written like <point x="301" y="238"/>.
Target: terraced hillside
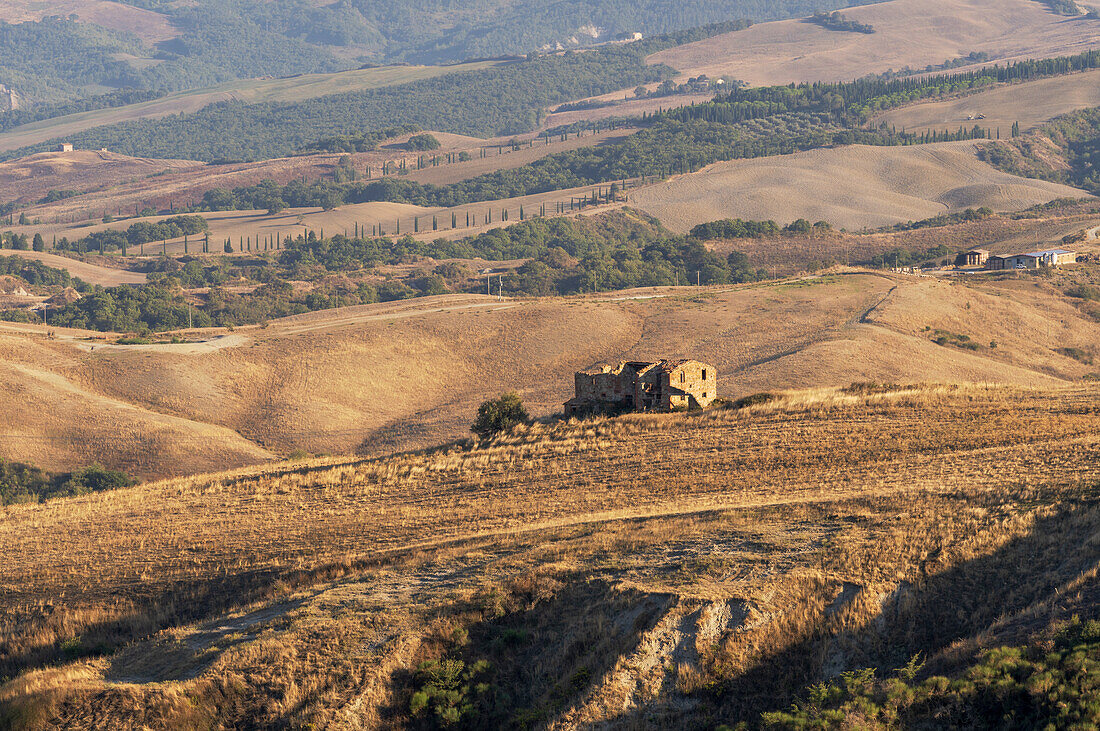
<point x="663" y="570"/>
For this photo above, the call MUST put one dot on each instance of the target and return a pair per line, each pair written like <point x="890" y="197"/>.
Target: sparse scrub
<point x="957" y="340"/>
<point x="1078" y="354"/>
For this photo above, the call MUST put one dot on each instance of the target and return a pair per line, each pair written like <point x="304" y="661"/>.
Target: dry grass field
<point x="662" y="571"/>
<point x="624" y="106"/>
<point x="374" y="378"/>
<point x="31" y="178"/>
<point x="306" y="86"/>
<point x="914" y="33"/>
<point x="1030" y="104"/>
<point x="92" y="273"/>
<point x="253" y="225"/>
<point x="851" y="187"/>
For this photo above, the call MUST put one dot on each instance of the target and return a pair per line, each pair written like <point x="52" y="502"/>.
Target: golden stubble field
<point x="374" y="378"/>
<point x="914" y="33"/>
<point x="1030" y="104"/>
<point x="664" y="569"/>
<point x="850" y="187"/>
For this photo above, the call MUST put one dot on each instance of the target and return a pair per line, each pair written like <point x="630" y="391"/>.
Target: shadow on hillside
<point x="180" y="604"/>
<point x="161" y="658"/>
<point x="542" y="657"/>
<point x="927" y="618"/>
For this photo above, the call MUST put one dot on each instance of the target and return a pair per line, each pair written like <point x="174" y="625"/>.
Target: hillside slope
<point x="374" y="378"/>
<point x="249" y="91"/>
<point x="1030" y="104"/>
<point x="851" y="187"/>
<point x="908" y="33"/>
<point x="666" y="571"/>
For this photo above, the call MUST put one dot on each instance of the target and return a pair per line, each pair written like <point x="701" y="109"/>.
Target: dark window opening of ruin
<point x="704" y="376"/>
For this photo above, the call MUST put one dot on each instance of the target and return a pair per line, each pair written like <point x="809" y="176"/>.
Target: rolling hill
<point x="251" y="91"/>
<point x="287" y="385"/>
<point x="908" y="33"/>
<point x="852" y="187"/>
<point x="32" y="178"/>
<point x="1030" y="104"/>
<point x="150" y="26"/>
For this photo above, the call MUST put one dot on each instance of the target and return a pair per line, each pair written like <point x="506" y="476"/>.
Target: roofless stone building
<point x="644" y="385"/>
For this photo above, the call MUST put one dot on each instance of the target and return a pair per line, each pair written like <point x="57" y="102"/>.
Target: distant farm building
<point x="972" y="258"/>
<point x="644" y="385"/>
<point x="64" y="147"/>
<point x="1033" y="260"/>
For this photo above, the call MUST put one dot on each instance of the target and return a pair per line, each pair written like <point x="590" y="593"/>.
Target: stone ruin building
<point x="644" y="385"/>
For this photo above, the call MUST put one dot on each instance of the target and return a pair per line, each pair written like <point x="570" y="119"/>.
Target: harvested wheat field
<point x="374" y="378"/>
<point x="668" y="571"/>
<point x="31" y="178"/>
<point x="851" y="187"/>
<point x="914" y="33"/>
<point x="91" y="273"/>
<point x="1030" y="104"/>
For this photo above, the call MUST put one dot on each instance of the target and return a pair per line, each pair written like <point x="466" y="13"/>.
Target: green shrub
<point x="446" y="689"/>
<point x="1084" y="292"/>
<point x="23" y="483"/>
<point x="423" y="142"/>
<point x="1077" y="354"/>
<point x="498" y="415"/>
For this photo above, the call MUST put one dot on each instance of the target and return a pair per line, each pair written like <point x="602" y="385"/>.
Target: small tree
<point x="498" y="415"/>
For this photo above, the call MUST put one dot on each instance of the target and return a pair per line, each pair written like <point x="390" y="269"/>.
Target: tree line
<point x="612" y="251"/>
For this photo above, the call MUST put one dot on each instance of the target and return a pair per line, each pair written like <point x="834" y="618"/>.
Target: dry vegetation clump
<point x="640" y="570"/>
